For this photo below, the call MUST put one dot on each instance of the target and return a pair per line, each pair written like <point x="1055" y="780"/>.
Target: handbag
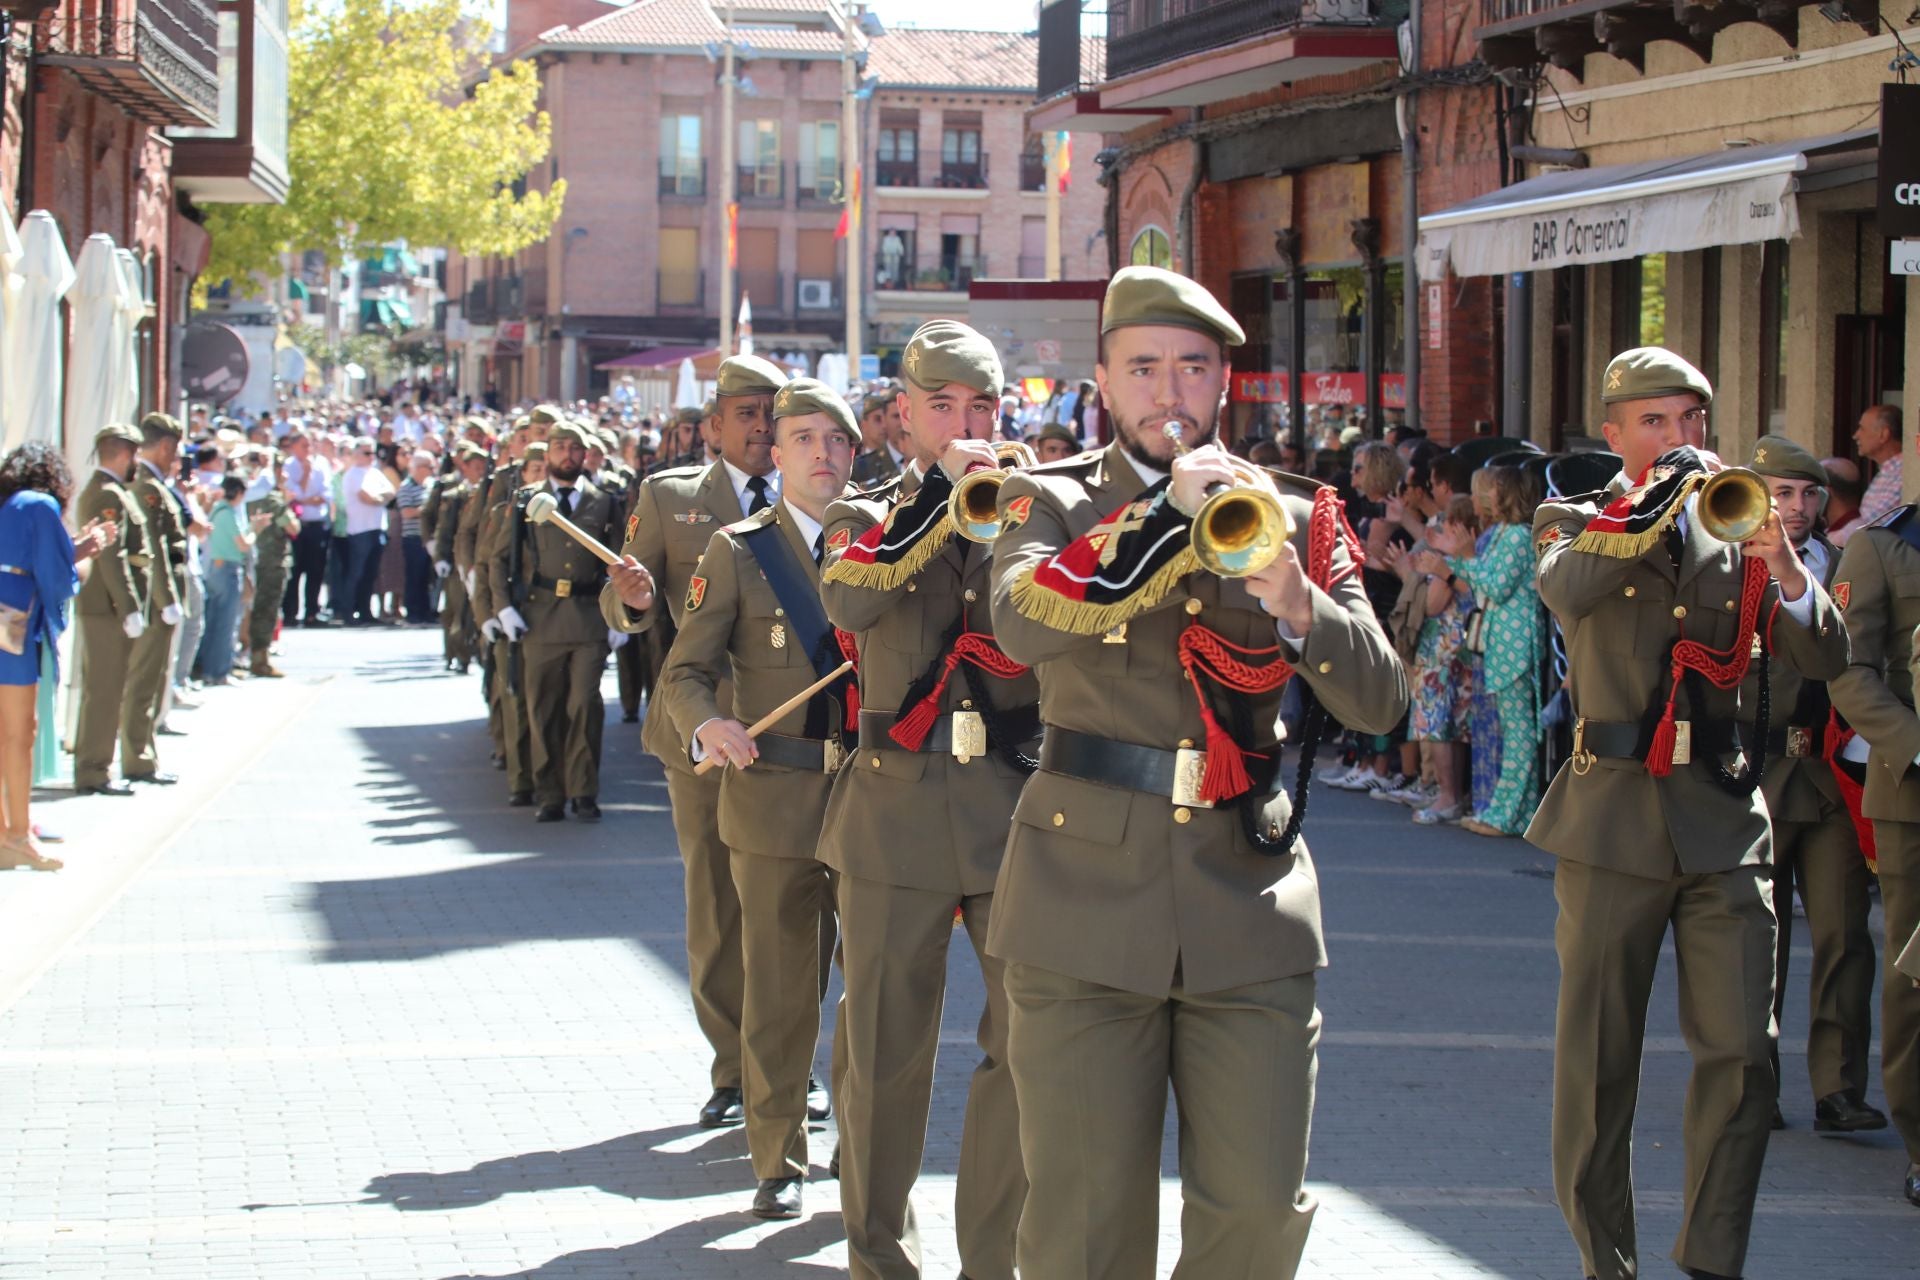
<point x="1476" y="641"/>
<point x="13" y="629"/>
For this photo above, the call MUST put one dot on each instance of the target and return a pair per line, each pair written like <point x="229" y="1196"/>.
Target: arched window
<point x="1151" y="248"/>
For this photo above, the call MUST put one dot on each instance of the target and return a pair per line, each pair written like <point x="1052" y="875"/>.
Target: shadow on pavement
<point x="633" y="1167"/>
<point x="770" y="1256"/>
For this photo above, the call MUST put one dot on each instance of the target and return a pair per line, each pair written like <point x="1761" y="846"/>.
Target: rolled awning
<point x="1742" y="195"/>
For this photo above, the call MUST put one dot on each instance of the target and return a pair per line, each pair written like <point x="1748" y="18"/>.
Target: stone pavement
<point x="331" y="1010"/>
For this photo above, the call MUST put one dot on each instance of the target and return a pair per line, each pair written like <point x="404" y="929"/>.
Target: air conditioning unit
<point x="816" y="295"/>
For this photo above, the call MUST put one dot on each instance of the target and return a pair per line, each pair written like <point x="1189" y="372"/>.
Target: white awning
<point x="1743" y="195"/>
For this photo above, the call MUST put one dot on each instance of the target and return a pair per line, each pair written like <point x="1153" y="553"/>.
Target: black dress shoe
<point x="551" y="813"/>
<point x="520" y="799"/>
<point x="1698" y="1274"/>
<point x="587" y="809"/>
<point x="1913" y="1184"/>
<point x="154" y="779"/>
<point x="107" y="788"/>
<point x="1844" y="1112"/>
<point x="1779" y="1121"/>
<point x="819" y="1102"/>
<point x="630" y="717"/>
<point x="723" y="1109"/>
<point x="777" y="1198"/>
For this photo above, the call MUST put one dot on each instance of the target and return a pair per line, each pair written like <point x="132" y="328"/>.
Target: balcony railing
<point x="814" y="185"/>
<point x="762" y="184"/>
<point x="680" y="288"/>
<point x="1033" y="172"/>
<point x="896" y="173"/>
<point x="767" y="291"/>
<point x="964" y="175"/>
<point x="1143" y="34"/>
<point x="684" y="181"/>
<point x="510" y="296"/>
<point x="944" y="275"/>
<point x="161" y="65"/>
<point x="479" y="307"/>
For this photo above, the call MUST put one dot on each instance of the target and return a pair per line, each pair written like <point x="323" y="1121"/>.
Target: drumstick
<point x="760" y="726"/>
<point x="544" y="508"/>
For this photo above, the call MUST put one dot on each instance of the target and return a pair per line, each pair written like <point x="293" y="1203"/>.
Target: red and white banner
<point x="1319" y="389"/>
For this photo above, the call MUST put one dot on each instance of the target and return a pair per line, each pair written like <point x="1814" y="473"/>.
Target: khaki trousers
<point x="1608" y="936"/>
<point x="515" y="738"/>
<point x="1898" y="844"/>
<point x="566" y="718"/>
<point x="781" y="900"/>
<point x="105" y="657"/>
<point x="715" y="971"/>
<point x="148" y="671"/>
<point x="1823" y="858"/>
<point x="894" y="961"/>
<point x="1091" y="1066"/>
<point x="453" y="618"/>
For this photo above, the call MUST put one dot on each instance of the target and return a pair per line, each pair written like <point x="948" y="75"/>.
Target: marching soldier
<point x="754" y="608"/>
<point x="489" y="598"/>
<point x="1814" y="842"/>
<point x="1656" y="819"/>
<point x="273" y="553"/>
<point x="150" y="670"/>
<point x="885" y="457"/>
<point x="466" y="559"/>
<point x="675" y="515"/>
<point x="456" y="618"/>
<point x="1878" y="587"/>
<point x="1157" y="914"/>
<point x="942" y="752"/>
<point x="114" y="604"/>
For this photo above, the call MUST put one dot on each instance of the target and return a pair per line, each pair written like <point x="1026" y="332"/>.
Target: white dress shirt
<point x="739" y="480"/>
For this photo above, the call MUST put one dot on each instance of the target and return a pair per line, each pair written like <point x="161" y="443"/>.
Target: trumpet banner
<point x="1125" y="564"/>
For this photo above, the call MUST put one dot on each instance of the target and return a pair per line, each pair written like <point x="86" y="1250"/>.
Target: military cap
<point x="548" y="413"/>
<point x="1647" y="373"/>
<point x="535" y="449"/>
<point x="1781" y="458"/>
<point x="748" y="376"/>
<point x="1151" y="295"/>
<point x="608" y="440"/>
<point x="160" y="426"/>
<point x="810" y="395"/>
<point x="1055" y="431"/>
<point x="944" y="351"/>
<point x="113" y="431"/>
<point x="468" y="449"/>
<point x="568" y="429"/>
<point x="690" y="415"/>
<point x="711" y="407"/>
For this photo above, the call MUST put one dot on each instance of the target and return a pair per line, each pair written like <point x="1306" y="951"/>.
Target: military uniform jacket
<point x="733" y="625"/>
<point x="1620" y="617"/>
<point x="466" y="529"/>
<point x="558" y="590"/>
<point x="446" y="530"/>
<point x="1117" y="887"/>
<point x="117" y="583"/>
<point x="273" y="544"/>
<point x="874" y="468"/>
<point x="1878" y="586"/>
<point x="675" y="515"/>
<point x="954" y="812"/>
<point x="166" y="535"/>
<point x="1794" y="787"/>
<point x="487" y="539"/>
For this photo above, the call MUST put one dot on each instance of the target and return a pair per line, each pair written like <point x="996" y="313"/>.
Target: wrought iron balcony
<point x="1149" y="33"/>
<point x="1527" y="33"/>
<point x="160" y="65"/>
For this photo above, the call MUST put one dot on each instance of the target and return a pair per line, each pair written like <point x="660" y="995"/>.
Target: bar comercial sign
<point x="1899" y="161"/>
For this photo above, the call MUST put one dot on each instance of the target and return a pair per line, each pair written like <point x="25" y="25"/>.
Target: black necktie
<point x="757" y="486"/>
<point x="566" y="503"/>
<point x="1676" y="543"/>
<point x="819" y="546"/>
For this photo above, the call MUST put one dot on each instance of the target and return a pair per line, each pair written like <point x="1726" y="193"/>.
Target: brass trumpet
<point x="1239" y="529"/>
<point x="1734" y="505"/>
<point x="975" y="504"/>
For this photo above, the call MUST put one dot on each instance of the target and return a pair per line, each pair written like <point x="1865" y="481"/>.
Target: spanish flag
<point x="733" y="235"/>
<point x="1063" y="154"/>
<point x="850" y="211"/>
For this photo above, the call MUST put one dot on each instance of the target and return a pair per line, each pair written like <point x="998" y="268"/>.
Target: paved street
<point x="334" y="1011"/>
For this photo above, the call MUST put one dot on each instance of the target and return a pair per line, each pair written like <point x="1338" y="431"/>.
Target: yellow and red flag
<point x="1063" y="151"/>
<point x="733" y="235"/>
<point x="850" y="212"/>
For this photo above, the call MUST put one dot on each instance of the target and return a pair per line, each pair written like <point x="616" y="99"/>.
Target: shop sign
<point x="1319" y="389"/>
<point x="1899" y="160"/>
<point x="1905" y="255"/>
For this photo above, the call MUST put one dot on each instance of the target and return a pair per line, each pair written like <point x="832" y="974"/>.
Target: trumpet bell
<point x="1734" y="505"/>
<point x="975" y="505"/>
<point x="1238" y="532"/>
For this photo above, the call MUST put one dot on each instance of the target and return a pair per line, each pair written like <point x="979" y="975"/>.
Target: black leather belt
<point x="1020" y="724"/>
<point x="816" y="755"/>
<point x="567" y="587"/>
<point x="1625" y="740"/>
<point x="1173" y="774"/>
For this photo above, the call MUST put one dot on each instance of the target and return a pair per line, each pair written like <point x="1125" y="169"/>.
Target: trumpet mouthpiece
<point x="1172" y="432"/>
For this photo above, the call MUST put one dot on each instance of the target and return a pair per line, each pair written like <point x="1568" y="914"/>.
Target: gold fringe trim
<point x="887" y="577"/>
<point x="1631" y="546"/>
<point x="1077" y="617"/>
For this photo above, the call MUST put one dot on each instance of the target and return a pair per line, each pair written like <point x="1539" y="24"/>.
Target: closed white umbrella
<point x="743" y="330"/>
<point x="35" y="336"/>
<point x="93" y="395"/>
<point x="11" y="252"/>
<point x="126" y="318"/>
<point x="686" y="387"/>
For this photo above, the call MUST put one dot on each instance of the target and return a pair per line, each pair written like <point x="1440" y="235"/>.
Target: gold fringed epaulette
<point x="1633" y="524"/>
<point x="1083" y="617"/>
<point x="866" y="563"/>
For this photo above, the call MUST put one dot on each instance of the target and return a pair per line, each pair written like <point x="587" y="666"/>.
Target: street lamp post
<point x="849" y="191"/>
<point x="727" y="84"/>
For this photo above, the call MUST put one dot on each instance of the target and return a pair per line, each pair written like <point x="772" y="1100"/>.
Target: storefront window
<point x="1333" y="315"/>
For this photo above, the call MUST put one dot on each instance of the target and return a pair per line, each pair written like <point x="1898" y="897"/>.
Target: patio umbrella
<point x="686" y="387"/>
<point x="93" y="396"/>
<point x="126" y="320"/>
<point x="743" y="332"/>
<point x="35" y="333"/>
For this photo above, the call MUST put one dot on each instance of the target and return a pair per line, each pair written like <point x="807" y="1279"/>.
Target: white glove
<point x="616" y="637"/>
<point x="490" y="630"/>
<point x="441" y="568"/>
<point x="512" y="623"/>
<point x="171" y="615"/>
<point x="472" y="578"/>
<point x="134" y="625"/>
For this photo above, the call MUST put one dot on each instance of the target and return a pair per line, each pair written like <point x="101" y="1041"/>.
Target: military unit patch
<point x="1550" y="535"/>
<point x="633" y="525"/>
<point x="1016" y="513"/>
<point x="696" y="592"/>
<point x="840" y="540"/>
<point x="1842" y="592"/>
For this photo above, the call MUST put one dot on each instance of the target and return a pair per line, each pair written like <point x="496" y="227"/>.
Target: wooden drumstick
<point x="772" y="717"/>
<point x="544" y="508"/>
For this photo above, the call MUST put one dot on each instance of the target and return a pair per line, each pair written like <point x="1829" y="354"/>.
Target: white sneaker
<point x="1334" y="775"/>
<point x="1434" y="815"/>
<point x="1395" y="783"/>
<point x="1417" y="795"/>
<point x="1370" y="781"/>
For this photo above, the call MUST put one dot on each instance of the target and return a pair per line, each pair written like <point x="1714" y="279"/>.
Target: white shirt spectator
<point x="308" y="485"/>
<point x="1883" y="495"/>
<point x="362" y="517"/>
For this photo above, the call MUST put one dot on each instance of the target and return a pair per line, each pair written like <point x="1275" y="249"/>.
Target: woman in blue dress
<point x="38" y="578"/>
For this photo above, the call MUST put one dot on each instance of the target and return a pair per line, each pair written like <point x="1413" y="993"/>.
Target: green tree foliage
<point x="398" y="130"/>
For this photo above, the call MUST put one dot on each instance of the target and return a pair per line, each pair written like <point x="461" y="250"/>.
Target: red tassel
<point x="1226" y="772"/>
<point x="912" y="729"/>
<point x="1660" y="754"/>
<point x="853" y="706"/>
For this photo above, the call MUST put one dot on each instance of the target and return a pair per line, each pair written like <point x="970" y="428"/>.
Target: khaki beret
<point x="535" y="449"/>
<point x="692" y="415"/>
<point x="160" y="426"/>
<point x="609" y="441"/>
<point x="113" y="431"/>
<point x="1150" y="295"/>
<point x="1055" y="431"/>
<point x="809" y="395"/>
<point x="748" y="376"/>
<point x="946" y="351"/>
<point x="1647" y="373"/>
<point x="1781" y="458"/>
<point x="711" y="407"/>
<point x="548" y="413"/>
<point x="567" y="429"/>
<point x="468" y="449"/>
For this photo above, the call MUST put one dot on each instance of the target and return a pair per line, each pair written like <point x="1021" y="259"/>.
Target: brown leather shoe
<point x="263" y="666"/>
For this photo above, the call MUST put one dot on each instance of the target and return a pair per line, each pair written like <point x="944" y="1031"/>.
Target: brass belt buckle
<point x="831" y="755"/>
<point x="1683" y="742"/>
<point x="563" y="588"/>
<point x="1799" y="743"/>
<point x="969" y="735"/>
<point x="1189" y="766"/>
<point x="1582" y="759"/>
